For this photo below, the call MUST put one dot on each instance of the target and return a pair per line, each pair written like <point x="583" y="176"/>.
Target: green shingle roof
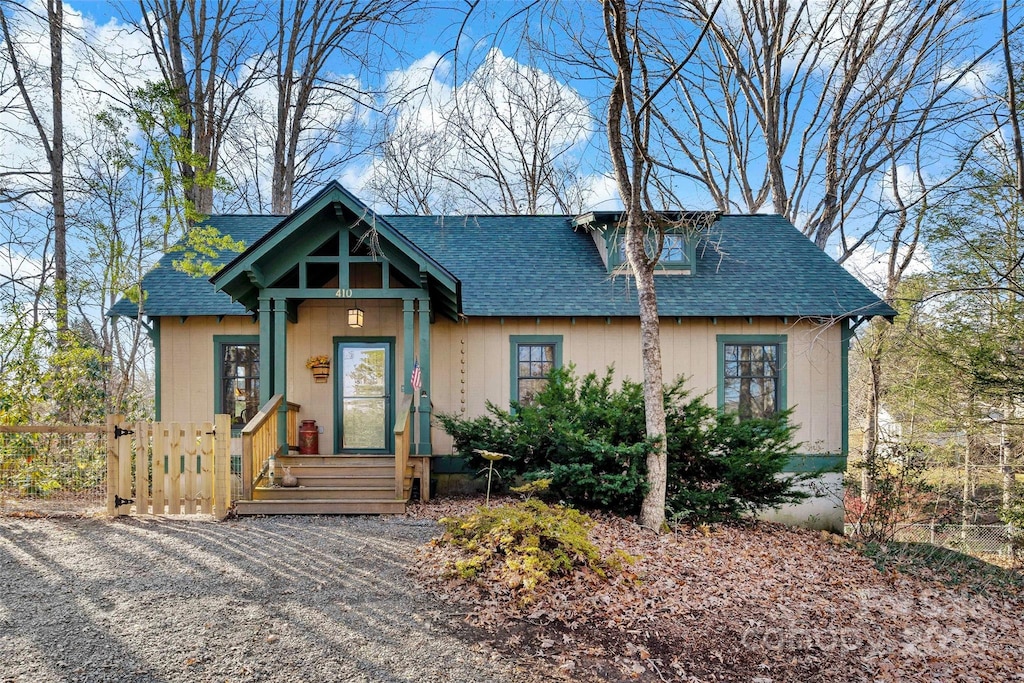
<point x="171" y="292"/>
<point x="748" y="265"/>
<point x="537" y="265"/>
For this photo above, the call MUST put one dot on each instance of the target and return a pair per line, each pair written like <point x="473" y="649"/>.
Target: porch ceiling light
<point x="355" y="317"/>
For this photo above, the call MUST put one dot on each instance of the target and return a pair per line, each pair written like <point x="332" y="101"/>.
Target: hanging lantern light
<point x="355" y="317"/>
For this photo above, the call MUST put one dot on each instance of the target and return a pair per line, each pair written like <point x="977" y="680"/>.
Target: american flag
<point x="417" y="377"/>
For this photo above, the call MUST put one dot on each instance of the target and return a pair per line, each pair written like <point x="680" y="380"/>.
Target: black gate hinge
<point x="119" y="501"/>
<point x="118" y="432"/>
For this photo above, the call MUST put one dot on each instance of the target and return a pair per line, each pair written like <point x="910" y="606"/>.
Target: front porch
<point x="336" y="484"/>
<point x="334" y="281"/>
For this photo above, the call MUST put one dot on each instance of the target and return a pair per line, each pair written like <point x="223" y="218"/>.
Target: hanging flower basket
<point x="321" y="367"/>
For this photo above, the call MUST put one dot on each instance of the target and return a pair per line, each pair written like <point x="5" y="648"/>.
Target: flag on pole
<point x="417" y="377"/>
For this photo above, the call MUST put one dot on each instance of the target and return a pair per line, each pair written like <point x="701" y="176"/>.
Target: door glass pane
<point x="364" y="420"/>
<point x="364" y="397"/>
<point x="364" y="372"/>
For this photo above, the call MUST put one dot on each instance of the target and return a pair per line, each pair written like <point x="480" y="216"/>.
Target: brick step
<point x="320" y="507"/>
<point x="324" y="493"/>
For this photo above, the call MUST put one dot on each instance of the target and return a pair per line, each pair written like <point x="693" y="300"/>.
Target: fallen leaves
<point x="741" y="603"/>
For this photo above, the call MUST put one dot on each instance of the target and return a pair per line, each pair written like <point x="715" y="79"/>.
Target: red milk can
<point x="309" y="438"/>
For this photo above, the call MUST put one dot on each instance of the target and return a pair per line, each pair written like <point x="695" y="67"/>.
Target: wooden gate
<point x="168" y="468"/>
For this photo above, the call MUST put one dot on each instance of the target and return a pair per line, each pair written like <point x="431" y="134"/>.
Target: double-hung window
<point x="752" y="375"/>
<point x="533" y="359"/>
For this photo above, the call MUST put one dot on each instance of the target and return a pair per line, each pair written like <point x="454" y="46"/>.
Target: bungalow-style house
<point x="421" y="314"/>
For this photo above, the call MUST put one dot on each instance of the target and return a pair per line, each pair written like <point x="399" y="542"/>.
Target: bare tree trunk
<point x="201" y="49"/>
<point x="1011" y="98"/>
<point x="55" y="14"/>
<point x="52" y="143"/>
<point x="1006" y="457"/>
<point x="630" y="176"/>
<point x="870" y="448"/>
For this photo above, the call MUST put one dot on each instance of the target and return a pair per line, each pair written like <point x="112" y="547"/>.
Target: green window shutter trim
<point x="779" y="339"/>
<point x="220" y="340"/>
<point x="514" y="341"/>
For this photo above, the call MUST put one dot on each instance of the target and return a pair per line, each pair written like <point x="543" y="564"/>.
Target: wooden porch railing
<point x="293" y="424"/>
<point x="259" y="444"/>
<point x="402" y="445"/>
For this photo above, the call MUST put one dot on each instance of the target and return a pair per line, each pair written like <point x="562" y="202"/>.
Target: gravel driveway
<point x="266" y="599"/>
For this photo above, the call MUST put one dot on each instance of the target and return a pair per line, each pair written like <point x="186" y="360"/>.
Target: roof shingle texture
<point x="747" y="265"/>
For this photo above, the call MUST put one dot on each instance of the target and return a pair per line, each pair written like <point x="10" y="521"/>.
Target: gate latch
<point x="119" y="501"/>
<point x="118" y="432"/>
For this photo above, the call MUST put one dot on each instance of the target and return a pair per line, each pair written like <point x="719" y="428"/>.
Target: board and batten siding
<point x="689" y="348"/>
<point x="187" y="372"/>
<point x="319" y="323"/>
<point x="471" y="361"/>
<point x="187" y="357"/>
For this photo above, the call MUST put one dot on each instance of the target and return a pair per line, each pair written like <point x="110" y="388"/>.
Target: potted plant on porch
<point x="321" y="367"/>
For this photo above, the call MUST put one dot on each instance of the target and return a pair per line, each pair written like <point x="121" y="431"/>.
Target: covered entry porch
<point x="334" y="281"/>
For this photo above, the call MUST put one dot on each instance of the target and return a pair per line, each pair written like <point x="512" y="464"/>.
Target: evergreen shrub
<point x="589" y="438"/>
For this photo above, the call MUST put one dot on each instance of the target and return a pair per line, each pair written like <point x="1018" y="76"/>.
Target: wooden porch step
<point x="331" y="479"/>
<point x="320" y="507"/>
<point x="336" y="460"/>
<point x="301" y="471"/>
<point x="324" y="492"/>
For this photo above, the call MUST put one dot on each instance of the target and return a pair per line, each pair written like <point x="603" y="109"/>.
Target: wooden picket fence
<point x="168" y="468"/>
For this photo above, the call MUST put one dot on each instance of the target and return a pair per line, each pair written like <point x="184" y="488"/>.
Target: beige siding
<point x="471" y="361"/>
<point x="319" y="322"/>
<point x="186" y="364"/>
<point x="689" y="348"/>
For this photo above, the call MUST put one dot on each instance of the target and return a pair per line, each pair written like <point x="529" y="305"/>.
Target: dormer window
<point x="681" y="232"/>
<point x="677" y="252"/>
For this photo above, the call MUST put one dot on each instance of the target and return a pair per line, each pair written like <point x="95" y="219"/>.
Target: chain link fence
<point x="972" y="539"/>
<point x="53" y="470"/>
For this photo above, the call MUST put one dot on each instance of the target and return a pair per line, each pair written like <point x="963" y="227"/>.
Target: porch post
<point x="408" y="357"/>
<point x="266" y="350"/>
<point x="423" y="447"/>
<point x="280" y="370"/>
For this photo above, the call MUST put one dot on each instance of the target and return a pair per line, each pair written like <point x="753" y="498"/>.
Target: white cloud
<point x="100" y="63"/>
<point x="601" y="193"/>
<point x="469" y="148"/>
<point x="870" y="266"/>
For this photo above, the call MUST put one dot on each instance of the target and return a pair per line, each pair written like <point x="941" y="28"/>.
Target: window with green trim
<point x="752" y="378"/>
<point x="238" y="380"/>
<point x="534" y="357"/>
<point x="676" y="250"/>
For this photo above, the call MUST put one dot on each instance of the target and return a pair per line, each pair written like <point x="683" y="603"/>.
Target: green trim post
<point x="408" y="358"/>
<point x="408" y="342"/>
<point x="423" y="446"/>
<point x="779" y="339"/>
<point x="514" y="341"/>
<point x="844" y="383"/>
<point x="266" y="349"/>
<point x="154" y="336"/>
<point x="281" y="370"/>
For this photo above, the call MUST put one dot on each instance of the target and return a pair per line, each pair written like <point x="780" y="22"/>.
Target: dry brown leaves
<point x="760" y="603"/>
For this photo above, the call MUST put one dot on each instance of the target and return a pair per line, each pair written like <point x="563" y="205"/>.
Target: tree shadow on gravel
<point x="274" y="599"/>
<point x="51" y="617"/>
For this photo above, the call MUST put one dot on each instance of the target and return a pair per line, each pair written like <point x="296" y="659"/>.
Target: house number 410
<point x="343" y="294"/>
